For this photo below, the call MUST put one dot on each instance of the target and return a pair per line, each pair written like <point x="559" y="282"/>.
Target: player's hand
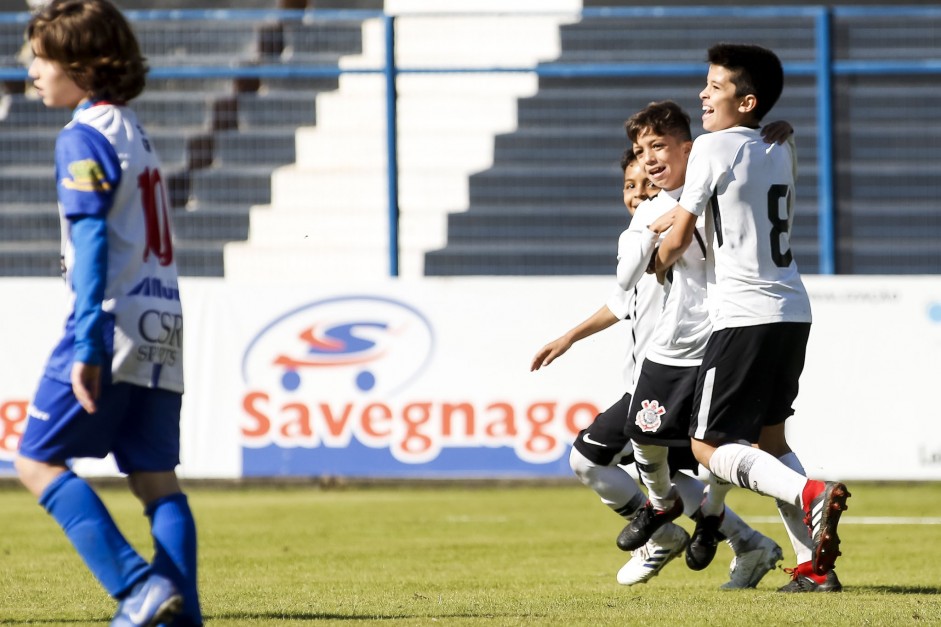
<point x="776" y="132"/>
<point x="86" y="384"/>
<point x="664" y="222"/>
<point x="549" y="353"/>
<point x="662" y="275"/>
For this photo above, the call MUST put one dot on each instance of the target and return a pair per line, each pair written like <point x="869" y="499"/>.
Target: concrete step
<point x="319" y="147"/>
<point x="363" y="189"/>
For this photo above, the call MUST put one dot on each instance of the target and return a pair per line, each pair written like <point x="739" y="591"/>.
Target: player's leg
<point x="147" y="449"/>
<point x="754" y="553"/>
<point x="664" y="545"/>
<point x="735" y="395"/>
<point x="657" y="421"/>
<point x="59" y="429"/>
<point x="595" y="456"/>
<point x="773" y="441"/>
<point x="613" y="485"/>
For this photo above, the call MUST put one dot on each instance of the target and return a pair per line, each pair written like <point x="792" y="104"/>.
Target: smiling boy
<point x="759" y="307"/>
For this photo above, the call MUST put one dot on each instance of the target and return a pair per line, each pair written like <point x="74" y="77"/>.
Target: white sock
<point x="617" y="489"/>
<point x="713" y="501"/>
<point x="690" y="490"/>
<point x="651" y="461"/>
<point x="793" y="516"/>
<point x="752" y="468"/>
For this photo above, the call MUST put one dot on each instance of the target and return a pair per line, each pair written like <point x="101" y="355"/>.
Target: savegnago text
<point x="416" y="431"/>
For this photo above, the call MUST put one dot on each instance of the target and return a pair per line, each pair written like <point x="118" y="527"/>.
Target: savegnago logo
<point x="13" y="415"/>
<point x="346" y="344"/>
<point x="343" y="368"/>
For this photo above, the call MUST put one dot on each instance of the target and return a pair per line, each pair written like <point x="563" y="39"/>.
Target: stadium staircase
<point x="329" y="211"/>
<point x="219" y="139"/>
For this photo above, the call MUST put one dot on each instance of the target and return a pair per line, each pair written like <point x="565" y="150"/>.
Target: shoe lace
<point x="792" y="572"/>
<point x="642" y="552"/>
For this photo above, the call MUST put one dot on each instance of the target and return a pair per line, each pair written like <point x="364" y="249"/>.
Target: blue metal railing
<point x="823" y="68"/>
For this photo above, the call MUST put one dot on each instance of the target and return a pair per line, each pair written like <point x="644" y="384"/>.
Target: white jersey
<point x="752" y="276"/>
<point x="106" y="167"/>
<point x="639" y="306"/>
<point x="683" y="326"/>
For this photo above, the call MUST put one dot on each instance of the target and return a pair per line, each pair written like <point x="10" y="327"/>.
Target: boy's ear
<point x="748" y="104"/>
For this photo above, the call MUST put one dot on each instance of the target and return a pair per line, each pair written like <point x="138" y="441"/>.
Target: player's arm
<point x="777" y="132"/>
<point x="635" y="248"/>
<point x="679" y="225"/>
<point x="598" y="321"/>
<point x="90" y="172"/>
<point x="90" y="239"/>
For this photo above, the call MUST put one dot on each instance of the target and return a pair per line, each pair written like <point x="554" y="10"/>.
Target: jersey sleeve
<point x="702" y="177"/>
<point x="620" y="302"/>
<point x="90" y="238"/>
<point x="87" y="176"/>
<point x="87" y="172"/>
<point x="635" y="247"/>
<point x="792" y="145"/>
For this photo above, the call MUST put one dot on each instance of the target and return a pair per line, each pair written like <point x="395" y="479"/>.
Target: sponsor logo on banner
<point x="12" y="422"/>
<point x="348" y="375"/>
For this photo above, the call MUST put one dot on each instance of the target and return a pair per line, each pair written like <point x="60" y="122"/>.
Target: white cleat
<point x="647" y="561"/>
<point x="748" y="568"/>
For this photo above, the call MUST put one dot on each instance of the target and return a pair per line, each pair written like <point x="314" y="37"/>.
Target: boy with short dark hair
<point x="760" y="309"/>
<point x="114" y="382"/>
<point x="658" y="419"/>
<point x="601" y="446"/>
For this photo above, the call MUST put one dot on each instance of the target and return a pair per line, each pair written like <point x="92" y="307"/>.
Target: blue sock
<point x="174" y="532"/>
<point x="90" y="528"/>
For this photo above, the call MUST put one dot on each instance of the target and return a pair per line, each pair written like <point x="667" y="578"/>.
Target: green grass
<point x="491" y="555"/>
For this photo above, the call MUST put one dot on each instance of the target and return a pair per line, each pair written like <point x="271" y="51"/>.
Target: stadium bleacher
<point x="549" y="204"/>
<point x="219" y="139"/>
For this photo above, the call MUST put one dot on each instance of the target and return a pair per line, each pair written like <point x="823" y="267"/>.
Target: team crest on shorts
<point x="648" y="418"/>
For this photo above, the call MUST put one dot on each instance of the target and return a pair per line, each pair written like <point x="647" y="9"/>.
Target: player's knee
<point x="150" y="486"/>
<point x="35" y="475"/>
<point x="702" y="451"/>
<point x="25" y="469"/>
<point x="581" y="466"/>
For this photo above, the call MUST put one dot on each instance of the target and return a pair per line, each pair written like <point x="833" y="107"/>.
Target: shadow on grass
<point x="894" y="589"/>
<point x="328" y="616"/>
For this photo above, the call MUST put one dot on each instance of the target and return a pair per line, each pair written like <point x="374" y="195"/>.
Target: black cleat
<point x="702" y="546"/>
<point x="645" y="523"/>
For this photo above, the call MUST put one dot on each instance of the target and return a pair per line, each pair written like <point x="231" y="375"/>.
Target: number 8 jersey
<point x="745" y="187"/>
<point x="106" y="167"/>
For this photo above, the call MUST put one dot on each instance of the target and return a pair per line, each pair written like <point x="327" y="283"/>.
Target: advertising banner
<point x="431" y="378"/>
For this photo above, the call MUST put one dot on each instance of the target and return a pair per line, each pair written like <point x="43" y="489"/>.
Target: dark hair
<point x="94" y="44"/>
<point x="627" y="158"/>
<point x="662" y="118"/>
<point x="755" y="70"/>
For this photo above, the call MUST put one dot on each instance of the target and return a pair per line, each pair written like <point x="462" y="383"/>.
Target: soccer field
<point x="477" y="554"/>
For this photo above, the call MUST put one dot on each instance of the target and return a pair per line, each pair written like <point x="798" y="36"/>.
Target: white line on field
<point x="864" y="520"/>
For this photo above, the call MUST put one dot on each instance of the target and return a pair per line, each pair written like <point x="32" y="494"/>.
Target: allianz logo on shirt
<point x="152" y="286"/>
